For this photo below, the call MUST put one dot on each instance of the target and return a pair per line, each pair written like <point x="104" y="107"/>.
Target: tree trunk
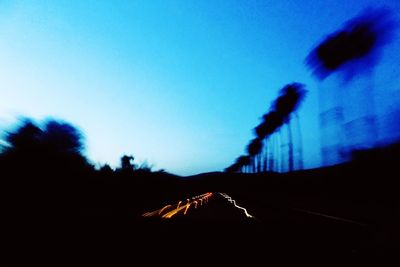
<point x="259" y="166"/>
<point x="278" y="151"/>
<point x="272" y="154"/>
<point x="290" y="144"/>
<point x="300" y="143"/>
<point x="281" y="147"/>
<point x="265" y="165"/>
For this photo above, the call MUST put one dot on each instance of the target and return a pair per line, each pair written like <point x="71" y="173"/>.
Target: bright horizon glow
<point x="179" y="84"/>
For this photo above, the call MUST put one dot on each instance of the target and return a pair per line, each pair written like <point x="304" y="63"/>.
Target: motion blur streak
<point x="149" y="214"/>
<point x="234" y="203"/>
<point x="329" y="216"/>
<point x="187" y="207"/>
<point x="166" y="207"/>
<point x="173" y="212"/>
<point x="169" y="211"/>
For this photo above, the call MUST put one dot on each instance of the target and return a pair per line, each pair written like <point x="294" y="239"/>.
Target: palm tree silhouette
<point x="254" y="148"/>
<point x="300" y="142"/>
<point x="244" y="162"/>
<point x="287" y="103"/>
<point x="240" y="165"/>
<point x="261" y="132"/>
<point x="233" y="168"/>
<point x="353" y="50"/>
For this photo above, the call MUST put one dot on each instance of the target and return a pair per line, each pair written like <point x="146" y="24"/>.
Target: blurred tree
<point x="106" y="169"/>
<point x="127" y="163"/>
<point x="353" y="50"/>
<point x="145" y="167"/>
<point x="289" y="100"/>
<point x="61" y="138"/>
<point x="26" y="138"/>
<point x="254" y="148"/>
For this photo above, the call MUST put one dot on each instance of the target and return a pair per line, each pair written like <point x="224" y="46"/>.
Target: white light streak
<point x="237" y="206"/>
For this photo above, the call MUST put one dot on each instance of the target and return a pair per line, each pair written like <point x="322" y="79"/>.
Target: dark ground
<point x="98" y="221"/>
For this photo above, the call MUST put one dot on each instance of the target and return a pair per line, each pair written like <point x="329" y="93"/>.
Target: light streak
<point x="164" y="209"/>
<point x="187" y="207"/>
<point x="169" y="211"/>
<point x="149" y="214"/>
<point x="237" y="206"/>
<point x="173" y="212"/>
<point x="329" y="216"/>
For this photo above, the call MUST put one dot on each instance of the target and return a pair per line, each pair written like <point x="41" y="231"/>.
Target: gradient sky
<point x="177" y="83"/>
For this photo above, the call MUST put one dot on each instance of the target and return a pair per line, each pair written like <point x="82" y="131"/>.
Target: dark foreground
<point x="338" y="216"/>
<point x="215" y="233"/>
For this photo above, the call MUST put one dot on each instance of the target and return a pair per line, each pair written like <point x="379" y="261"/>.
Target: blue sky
<point x="177" y="83"/>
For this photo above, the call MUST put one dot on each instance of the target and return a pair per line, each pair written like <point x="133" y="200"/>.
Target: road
<point x="213" y="228"/>
<point x="239" y="231"/>
<point x="185" y="207"/>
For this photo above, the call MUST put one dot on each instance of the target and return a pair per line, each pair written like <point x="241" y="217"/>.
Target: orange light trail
<point x="169" y="211"/>
<point x="166" y="207"/>
<point x="174" y="212"/>
<point x="187" y="207"/>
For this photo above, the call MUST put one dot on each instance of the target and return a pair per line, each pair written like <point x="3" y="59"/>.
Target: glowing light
<point x="149" y="214"/>
<point x="237" y="206"/>
<point x="187" y="207"/>
<point x="169" y="211"/>
<point x="173" y="212"/>
<point x="164" y="209"/>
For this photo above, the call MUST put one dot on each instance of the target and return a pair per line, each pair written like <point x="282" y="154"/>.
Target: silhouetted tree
<point x="266" y="155"/>
<point x="243" y="162"/>
<point x="106" y="169"/>
<point x="273" y="120"/>
<point x="360" y="37"/>
<point x="261" y="130"/>
<point x="235" y="167"/>
<point x="354" y="49"/>
<point x="25" y="139"/>
<point x="145" y="167"/>
<point x="300" y="144"/>
<point x="57" y="143"/>
<point x="287" y="103"/>
<point x="45" y="167"/>
<point x="254" y="148"/>
<point x="61" y="137"/>
<point x="239" y="165"/>
<point x="127" y="163"/>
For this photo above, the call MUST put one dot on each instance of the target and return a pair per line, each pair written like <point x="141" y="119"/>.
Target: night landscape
<point x="149" y="133"/>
